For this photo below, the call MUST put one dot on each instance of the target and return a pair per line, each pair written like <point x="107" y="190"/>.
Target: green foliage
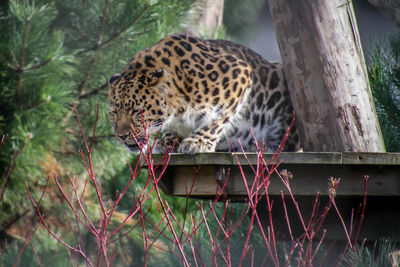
<point x="55" y="53"/>
<point x="36" y="92"/>
<point x="384" y="75"/>
<point x="48" y="251"/>
<point x="376" y="256"/>
<point x="58" y="52"/>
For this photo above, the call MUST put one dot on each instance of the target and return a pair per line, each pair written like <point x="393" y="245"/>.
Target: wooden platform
<point x="311" y="172"/>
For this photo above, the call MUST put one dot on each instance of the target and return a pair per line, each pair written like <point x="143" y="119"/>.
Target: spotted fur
<point x="203" y="95"/>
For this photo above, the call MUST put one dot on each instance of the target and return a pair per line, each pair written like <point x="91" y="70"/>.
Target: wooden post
<point x="326" y="74"/>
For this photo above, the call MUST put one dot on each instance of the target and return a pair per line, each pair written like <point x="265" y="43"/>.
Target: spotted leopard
<point x="203" y="95"/>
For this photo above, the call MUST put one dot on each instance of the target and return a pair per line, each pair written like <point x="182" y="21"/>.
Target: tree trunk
<point x="326" y="74"/>
<point x="389" y="8"/>
<point x="206" y="18"/>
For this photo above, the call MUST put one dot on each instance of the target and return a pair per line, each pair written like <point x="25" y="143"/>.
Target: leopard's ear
<point x="156" y="79"/>
<point x="114" y="78"/>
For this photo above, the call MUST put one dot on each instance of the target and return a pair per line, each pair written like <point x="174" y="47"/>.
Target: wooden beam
<point x="310" y="171"/>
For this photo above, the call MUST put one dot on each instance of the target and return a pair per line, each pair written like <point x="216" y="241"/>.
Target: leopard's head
<point x="137" y="105"/>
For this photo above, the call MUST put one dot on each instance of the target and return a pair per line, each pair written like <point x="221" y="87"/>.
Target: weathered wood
<point x="311" y="172"/>
<point x="225" y="158"/>
<point x="290" y="157"/>
<point x="326" y="73"/>
<point x="307" y="180"/>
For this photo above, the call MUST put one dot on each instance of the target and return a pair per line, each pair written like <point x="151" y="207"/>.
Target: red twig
<point x="318" y="246"/>
<point x="36" y="206"/>
<point x="145" y="240"/>
<point x="253" y="207"/>
<point x="213" y="250"/>
<point x="287" y="217"/>
<point x="28" y="238"/>
<point x="4" y="248"/>
<point x="164" y="209"/>
<point x="37" y="256"/>
<point x="285" y="181"/>
<point x="3" y="187"/>
<point x="90" y="227"/>
<point x="366" y="177"/>
<point x="341" y="220"/>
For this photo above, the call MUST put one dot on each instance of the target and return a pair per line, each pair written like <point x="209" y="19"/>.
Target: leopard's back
<point x="207" y="94"/>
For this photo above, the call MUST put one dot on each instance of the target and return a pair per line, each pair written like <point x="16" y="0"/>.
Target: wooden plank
<point x="383" y="181"/>
<point x="371" y="158"/>
<point x="199" y="159"/>
<point x="311" y="172"/>
<point x="291" y="157"/>
<point x="310" y="179"/>
<point x="205" y="184"/>
<point x="180" y="159"/>
<point x="223" y="158"/>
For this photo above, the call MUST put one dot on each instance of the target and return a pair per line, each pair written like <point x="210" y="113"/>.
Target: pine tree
<point x="384" y="75"/>
<point x="55" y="53"/>
<point x="36" y="92"/>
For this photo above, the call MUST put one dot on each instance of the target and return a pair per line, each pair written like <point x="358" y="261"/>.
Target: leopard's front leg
<point x="167" y="140"/>
<point x="203" y="140"/>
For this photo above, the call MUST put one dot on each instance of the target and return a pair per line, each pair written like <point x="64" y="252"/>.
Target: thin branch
<point x="366" y="177"/>
<point x="18" y="93"/>
<point x="36" y="206"/>
<point x="3" y="187"/>
<point x="94" y="91"/>
<point x="28" y="239"/>
<point x="44" y="63"/>
<point x="79" y="30"/>
<point x="137" y="18"/>
<point x="342" y="221"/>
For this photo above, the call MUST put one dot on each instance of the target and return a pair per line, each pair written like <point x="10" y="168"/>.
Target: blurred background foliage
<point x="55" y="53"/>
<point x="384" y="76"/>
<point x="240" y="16"/>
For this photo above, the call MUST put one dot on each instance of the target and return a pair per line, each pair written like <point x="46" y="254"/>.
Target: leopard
<point x="199" y="95"/>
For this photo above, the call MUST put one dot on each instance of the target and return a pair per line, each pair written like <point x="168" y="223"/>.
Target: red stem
<point x="209" y="236"/>
<point x="36" y="206"/>
<point x="254" y="209"/>
<point x="145" y="240"/>
<point x="3" y="187"/>
<point x="341" y="220"/>
<point x="28" y="239"/>
<point x="366" y="177"/>
<point x="287" y="217"/>
<point x="91" y="228"/>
